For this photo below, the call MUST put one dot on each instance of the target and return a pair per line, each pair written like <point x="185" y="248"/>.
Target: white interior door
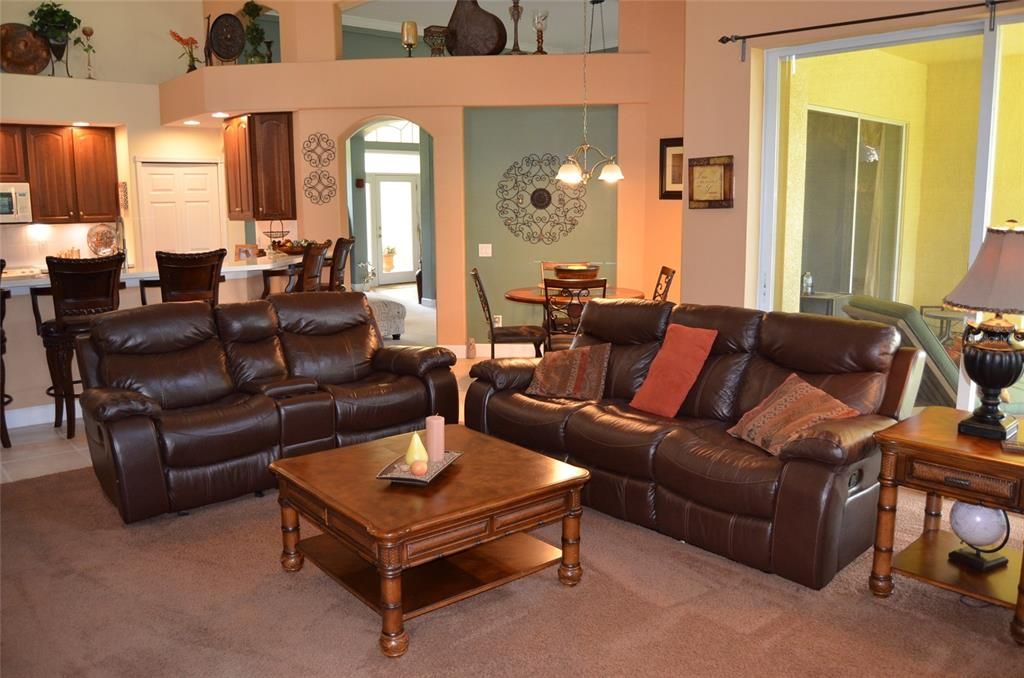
<point x="180" y="209"/>
<point x="394" y="222"/>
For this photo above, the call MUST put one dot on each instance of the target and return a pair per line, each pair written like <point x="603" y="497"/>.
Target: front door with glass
<point x="394" y="223"/>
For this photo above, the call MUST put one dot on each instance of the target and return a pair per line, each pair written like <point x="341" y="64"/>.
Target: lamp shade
<point x="570" y="173"/>
<point x="995" y="281"/>
<point x="611" y="173"/>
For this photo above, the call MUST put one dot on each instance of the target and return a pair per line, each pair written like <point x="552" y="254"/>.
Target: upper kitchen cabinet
<point x="12" y="154"/>
<point x="51" y="172"/>
<point x="259" y="166"/>
<point x="95" y="173"/>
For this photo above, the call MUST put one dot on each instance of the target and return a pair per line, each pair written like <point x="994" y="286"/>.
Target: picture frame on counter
<point x="671" y="169"/>
<point x="246" y="252"/>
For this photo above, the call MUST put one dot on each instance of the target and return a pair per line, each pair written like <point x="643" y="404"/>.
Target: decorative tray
<point x="398" y="471"/>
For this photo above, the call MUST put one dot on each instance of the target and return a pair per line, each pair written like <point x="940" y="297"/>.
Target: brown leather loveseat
<point x="186" y="405"/>
<point x="803" y="515"/>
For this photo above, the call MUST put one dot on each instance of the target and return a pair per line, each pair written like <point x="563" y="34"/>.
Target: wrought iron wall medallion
<point x="536" y="207"/>
<point x="319" y="150"/>
<point x="320" y="187"/>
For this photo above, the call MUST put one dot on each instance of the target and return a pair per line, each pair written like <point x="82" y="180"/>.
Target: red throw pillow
<point x="577" y="373"/>
<point x="788" y="411"/>
<point x="674" y="370"/>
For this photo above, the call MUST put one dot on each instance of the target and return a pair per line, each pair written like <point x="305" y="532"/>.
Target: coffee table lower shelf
<point x="440" y="582"/>
<point x="926" y="560"/>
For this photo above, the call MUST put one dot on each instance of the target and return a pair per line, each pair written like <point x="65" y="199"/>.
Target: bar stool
<point x="81" y="290"/>
<point x="5" y="399"/>
<point x="337" y="262"/>
<point x="193" y="276"/>
<point x="304" y="276"/>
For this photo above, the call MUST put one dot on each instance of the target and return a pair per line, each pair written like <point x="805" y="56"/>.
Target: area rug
<point x="203" y="595"/>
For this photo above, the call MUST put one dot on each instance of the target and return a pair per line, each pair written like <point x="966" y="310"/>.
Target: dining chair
<point x="192" y="276"/>
<point x="563" y="306"/>
<point x="5" y="399"/>
<point x="512" y="334"/>
<point x="304" y="276"/>
<point x="81" y="289"/>
<point x="664" y="282"/>
<point x="337" y="262"/>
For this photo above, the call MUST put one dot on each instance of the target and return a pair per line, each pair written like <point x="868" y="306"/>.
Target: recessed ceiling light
<point x="220" y="114"/>
<point x="80" y="123"/>
<point x="192" y="122"/>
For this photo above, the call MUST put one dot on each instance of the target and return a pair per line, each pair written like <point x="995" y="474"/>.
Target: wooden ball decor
<point x="473" y="31"/>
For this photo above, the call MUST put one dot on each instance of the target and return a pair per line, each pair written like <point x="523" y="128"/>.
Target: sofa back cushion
<point x="329" y="336"/>
<point x="169" y="352"/>
<point x="848" y="359"/>
<point x="249" y="333"/>
<point x="634" y="328"/>
<point x="714" y="395"/>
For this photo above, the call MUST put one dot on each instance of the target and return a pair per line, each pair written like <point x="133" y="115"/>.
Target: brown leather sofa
<point x="803" y="515"/>
<point x="186" y="405"/>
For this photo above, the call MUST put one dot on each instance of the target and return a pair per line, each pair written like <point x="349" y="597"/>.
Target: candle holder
<point x="516" y="12"/>
<point x="436" y="38"/>
<point x="409" y="36"/>
<point x="540" y="23"/>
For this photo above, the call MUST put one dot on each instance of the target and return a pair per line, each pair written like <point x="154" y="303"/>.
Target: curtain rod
<point x="742" y="39"/>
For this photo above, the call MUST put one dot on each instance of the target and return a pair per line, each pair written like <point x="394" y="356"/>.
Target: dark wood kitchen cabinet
<point x="51" y="172"/>
<point x="259" y="166"/>
<point x="95" y="173"/>
<point x="12" y="154"/>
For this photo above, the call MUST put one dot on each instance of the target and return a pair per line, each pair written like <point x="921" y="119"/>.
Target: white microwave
<point x="15" y="204"/>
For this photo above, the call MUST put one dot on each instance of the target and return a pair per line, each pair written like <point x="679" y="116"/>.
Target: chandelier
<point x="576" y="168"/>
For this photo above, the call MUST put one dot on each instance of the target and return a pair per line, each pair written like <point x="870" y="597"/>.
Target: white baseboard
<point x="33" y="416"/>
<point x="429" y="303"/>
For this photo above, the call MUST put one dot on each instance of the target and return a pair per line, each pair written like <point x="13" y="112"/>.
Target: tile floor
<point x="42" y="450"/>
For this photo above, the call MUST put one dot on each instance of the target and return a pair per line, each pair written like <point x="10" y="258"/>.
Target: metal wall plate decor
<point x="320" y="187"/>
<point x="319" y="150"/>
<point x="536" y="207"/>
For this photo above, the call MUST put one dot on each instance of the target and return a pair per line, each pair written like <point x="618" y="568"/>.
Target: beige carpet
<point x="204" y="595"/>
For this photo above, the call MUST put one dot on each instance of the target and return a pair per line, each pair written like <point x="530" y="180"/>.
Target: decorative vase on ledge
<point x="59" y="49"/>
<point x="474" y="31"/>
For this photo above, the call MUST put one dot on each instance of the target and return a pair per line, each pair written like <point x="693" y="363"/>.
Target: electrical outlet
<point x="497" y="321"/>
<point x="484" y="249"/>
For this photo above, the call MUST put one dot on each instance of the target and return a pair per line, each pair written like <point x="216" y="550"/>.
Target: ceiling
<point x="564" y="30"/>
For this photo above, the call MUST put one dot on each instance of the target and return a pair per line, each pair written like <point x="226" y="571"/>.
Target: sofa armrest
<point x="838" y="442"/>
<point x="114" y="404"/>
<point x="280" y="388"/>
<point x="506" y="374"/>
<point x="413" y="361"/>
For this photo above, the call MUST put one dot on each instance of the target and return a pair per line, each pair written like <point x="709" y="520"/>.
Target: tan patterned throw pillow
<point x="789" y="410"/>
<point x="577" y="373"/>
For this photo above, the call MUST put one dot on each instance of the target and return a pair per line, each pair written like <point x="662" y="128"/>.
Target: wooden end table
<point x="926" y="453"/>
<point x="405" y="550"/>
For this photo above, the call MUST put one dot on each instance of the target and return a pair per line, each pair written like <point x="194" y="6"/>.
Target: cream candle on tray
<point x="435" y="438"/>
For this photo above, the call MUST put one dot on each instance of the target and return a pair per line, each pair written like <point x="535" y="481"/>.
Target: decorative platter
<point x="398" y="471"/>
<point x="102" y="240"/>
<point x="22" y="50"/>
<point x="227" y="37"/>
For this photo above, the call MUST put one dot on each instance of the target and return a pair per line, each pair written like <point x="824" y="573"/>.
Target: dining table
<point x="535" y="294"/>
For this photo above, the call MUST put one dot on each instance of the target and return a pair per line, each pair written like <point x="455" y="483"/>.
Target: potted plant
<point x="255" y="36"/>
<point x="188" y="46"/>
<point x="56" y="24"/>
<point x="388" y="257"/>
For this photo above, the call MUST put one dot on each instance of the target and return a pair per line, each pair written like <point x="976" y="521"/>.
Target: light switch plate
<point x="484" y="249"/>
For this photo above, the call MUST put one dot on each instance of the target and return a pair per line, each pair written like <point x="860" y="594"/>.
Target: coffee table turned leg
<point x="1017" y="625"/>
<point x="570" y="571"/>
<point x="394" y="641"/>
<point x="291" y="559"/>
<point x="885" y="529"/>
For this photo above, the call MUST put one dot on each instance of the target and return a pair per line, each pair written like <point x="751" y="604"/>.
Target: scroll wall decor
<point x="319" y="186"/>
<point x="533" y="205"/>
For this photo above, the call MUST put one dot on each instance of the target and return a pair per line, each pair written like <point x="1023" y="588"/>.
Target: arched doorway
<point x="391" y="202"/>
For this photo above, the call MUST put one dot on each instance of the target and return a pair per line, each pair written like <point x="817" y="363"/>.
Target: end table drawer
<point x="1003" y="489"/>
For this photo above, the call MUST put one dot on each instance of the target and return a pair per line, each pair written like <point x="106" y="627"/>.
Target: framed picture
<point x="711" y="182"/>
<point x="671" y="169"/>
<point x="246" y="252"/>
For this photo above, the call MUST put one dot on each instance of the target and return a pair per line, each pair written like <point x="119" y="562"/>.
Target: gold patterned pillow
<point x="789" y="410"/>
<point x="577" y="373"/>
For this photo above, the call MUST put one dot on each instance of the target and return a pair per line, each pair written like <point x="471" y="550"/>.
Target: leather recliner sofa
<point x="803" y="515"/>
<point x="186" y="405"/>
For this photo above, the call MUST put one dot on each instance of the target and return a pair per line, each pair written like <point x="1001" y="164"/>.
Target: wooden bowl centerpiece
<point x="576" y="271"/>
<point x="291" y="246"/>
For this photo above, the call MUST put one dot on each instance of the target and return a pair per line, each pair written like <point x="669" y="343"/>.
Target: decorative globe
<point x="977" y="526"/>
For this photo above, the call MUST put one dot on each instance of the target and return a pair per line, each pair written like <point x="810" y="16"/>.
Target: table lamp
<point x="993" y="284"/>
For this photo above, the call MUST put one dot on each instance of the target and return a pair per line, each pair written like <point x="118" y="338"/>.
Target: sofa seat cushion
<point x="616" y="437"/>
<point x="707" y="465"/>
<point x="535" y="423"/>
<point x="230" y="428"/>
<point x="379" y="400"/>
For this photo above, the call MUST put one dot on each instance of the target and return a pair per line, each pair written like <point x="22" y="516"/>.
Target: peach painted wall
<point x="723" y="115"/>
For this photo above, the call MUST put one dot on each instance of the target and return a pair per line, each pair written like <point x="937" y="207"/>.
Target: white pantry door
<point x="180" y="209"/>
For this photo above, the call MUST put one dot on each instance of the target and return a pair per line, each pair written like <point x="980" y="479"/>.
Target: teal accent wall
<point x="496" y="138"/>
<point x="271" y="24"/>
<point x="367" y="43"/>
<point x="428" y="237"/>
<point x="357" y="205"/>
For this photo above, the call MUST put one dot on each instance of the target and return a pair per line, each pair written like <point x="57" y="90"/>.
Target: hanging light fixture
<point x="576" y="168"/>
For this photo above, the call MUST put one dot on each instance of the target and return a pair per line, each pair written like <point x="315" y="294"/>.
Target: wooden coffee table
<point x="406" y="550"/>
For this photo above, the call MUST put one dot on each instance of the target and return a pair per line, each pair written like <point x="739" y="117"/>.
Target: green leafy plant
<point x="390" y="251"/>
<point x="53" y="22"/>
<point x="252" y="9"/>
<point x="255" y="36"/>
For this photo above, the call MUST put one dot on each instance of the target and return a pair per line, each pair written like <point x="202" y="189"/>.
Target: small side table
<point x="926" y="453"/>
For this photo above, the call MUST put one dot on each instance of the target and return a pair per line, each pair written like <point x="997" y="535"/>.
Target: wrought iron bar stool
<point x="664" y="282"/>
<point x="192" y="276"/>
<point x="304" y="276"/>
<point x="81" y="290"/>
<point x="563" y="307"/>
<point x="510" y="334"/>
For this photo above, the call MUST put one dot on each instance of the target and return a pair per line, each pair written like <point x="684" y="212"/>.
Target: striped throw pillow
<point x="577" y="373"/>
